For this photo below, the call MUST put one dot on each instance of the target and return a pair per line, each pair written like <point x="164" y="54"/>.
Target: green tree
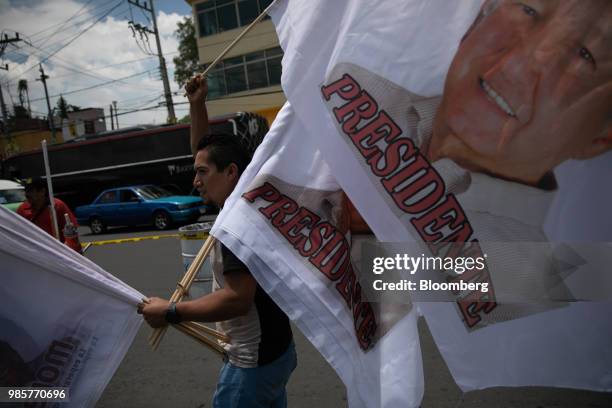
<point x="62" y="107"/>
<point x="22" y="87"/>
<point x="185" y="119"/>
<point x="186" y="64"/>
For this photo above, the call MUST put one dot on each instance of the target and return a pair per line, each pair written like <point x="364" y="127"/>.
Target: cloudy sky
<point x="88" y="44"/>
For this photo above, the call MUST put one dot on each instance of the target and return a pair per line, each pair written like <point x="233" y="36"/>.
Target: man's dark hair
<point x="224" y="149"/>
<point x="37" y="183"/>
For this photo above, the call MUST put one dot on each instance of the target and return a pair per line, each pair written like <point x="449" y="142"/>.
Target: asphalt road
<point x="182" y="373"/>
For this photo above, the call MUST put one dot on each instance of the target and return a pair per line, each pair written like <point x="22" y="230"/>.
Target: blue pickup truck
<point x="140" y="205"/>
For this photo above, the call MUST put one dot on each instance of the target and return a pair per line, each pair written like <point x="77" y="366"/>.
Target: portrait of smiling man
<point x="529" y="87"/>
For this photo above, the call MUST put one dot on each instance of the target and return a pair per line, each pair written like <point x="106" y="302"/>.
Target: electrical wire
<point x="93" y="86"/>
<point x="71" y="40"/>
<point x="59" y="43"/>
<point x="32" y="36"/>
<point x="64" y="23"/>
<point x="65" y="65"/>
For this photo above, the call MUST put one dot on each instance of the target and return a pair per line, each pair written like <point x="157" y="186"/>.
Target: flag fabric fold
<point x="310" y="274"/>
<point x="386" y="62"/>
<point x="65" y="321"/>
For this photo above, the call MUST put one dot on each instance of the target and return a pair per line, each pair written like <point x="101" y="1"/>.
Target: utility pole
<point x="44" y="78"/>
<point x="162" y="61"/>
<point x="111" y="117"/>
<point x="116" y="117"/>
<point x="4" y="112"/>
<point x="7" y="40"/>
<point x="3" y="43"/>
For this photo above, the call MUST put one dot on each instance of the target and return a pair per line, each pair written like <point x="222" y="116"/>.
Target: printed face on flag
<point x="532" y="81"/>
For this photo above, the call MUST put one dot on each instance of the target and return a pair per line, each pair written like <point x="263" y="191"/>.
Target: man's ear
<point x="232" y="171"/>
<point x="598" y="145"/>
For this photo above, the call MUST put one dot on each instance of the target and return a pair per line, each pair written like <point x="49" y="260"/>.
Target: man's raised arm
<point x="197" y="90"/>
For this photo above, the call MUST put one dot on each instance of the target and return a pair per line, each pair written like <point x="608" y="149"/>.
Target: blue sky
<point x="91" y="55"/>
<point x="168" y="6"/>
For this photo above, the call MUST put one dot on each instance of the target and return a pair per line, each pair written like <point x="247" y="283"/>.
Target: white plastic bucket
<point x="192" y="238"/>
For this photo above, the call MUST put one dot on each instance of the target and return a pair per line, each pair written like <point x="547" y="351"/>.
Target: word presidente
<point x="413" y="263"/>
<point x="414" y="186"/>
<point x="324" y="246"/>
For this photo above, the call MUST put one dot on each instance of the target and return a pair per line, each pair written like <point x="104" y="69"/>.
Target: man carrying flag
<point x="260" y="354"/>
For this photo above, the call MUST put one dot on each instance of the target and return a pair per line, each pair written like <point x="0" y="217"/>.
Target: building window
<point x="110" y="197"/>
<point x="244" y="73"/>
<point x="216" y="16"/>
<point x="89" y="127"/>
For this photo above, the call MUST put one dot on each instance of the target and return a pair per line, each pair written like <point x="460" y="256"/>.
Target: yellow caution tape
<point x="194" y="236"/>
<point x="123" y="240"/>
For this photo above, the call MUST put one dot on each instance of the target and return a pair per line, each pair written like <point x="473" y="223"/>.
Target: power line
<point x="94" y="86"/>
<point x="67" y="67"/>
<point x="70" y="32"/>
<point x="96" y="76"/>
<point x="29" y="40"/>
<point x="140" y="110"/>
<point x="121" y="63"/>
<point x="94" y="68"/>
<point x="31" y="36"/>
<point x="72" y="39"/>
<point x="140" y="102"/>
<point x="95" y="14"/>
<point x="98" y="68"/>
<point x="46" y="56"/>
<point x="140" y="97"/>
<point x="64" y="23"/>
<point x="42" y="53"/>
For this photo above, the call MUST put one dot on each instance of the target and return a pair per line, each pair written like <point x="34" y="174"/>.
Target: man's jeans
<point x="257" y="387"/>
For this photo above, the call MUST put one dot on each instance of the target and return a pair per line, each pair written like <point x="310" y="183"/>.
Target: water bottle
<point x="71" y="235"/>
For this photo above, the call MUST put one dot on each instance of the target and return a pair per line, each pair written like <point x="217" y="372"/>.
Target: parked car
<point x="139" y="205"/>
<point x="12" y="194"/>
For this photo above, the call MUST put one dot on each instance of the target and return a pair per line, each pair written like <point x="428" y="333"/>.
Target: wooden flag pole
<point x="184" y="285"/>
<point x="50" y="190"/>
<point x="190" y="331"/>
<point x="206" y="330"/>
<point x="238" y="38"/>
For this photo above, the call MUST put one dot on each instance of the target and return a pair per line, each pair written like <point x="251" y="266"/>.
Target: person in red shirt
<point x="36" y="209"/>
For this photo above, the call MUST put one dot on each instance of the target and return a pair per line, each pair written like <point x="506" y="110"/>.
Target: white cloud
<point x="108" y="42"/>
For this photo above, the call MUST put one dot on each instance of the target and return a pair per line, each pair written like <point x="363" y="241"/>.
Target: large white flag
<point x="303" y="261"/>
<point x="362" y="80"/>
<point x="65" y="322"/>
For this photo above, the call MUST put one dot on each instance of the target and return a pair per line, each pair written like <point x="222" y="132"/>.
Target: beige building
<point x="83" y="122"/>
<point x="248" y="78"/>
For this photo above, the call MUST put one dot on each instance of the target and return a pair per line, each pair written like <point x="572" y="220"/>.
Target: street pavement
<point x="183" y="373"/>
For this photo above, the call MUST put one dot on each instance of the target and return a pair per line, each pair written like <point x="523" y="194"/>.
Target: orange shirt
<point x="43" y="219"/>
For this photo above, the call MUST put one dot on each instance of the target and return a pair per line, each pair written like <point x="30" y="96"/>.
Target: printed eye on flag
<point x="443" y="123"/>
<point x="64" y="322"/>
